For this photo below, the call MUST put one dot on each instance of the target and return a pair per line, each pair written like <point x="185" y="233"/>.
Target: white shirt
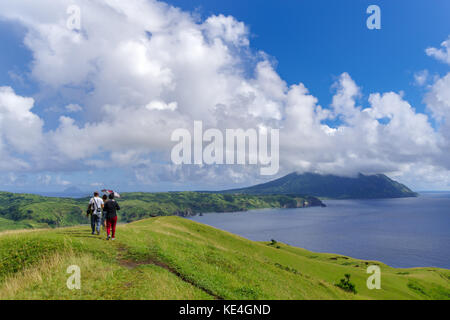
<point x="97" y="203"/>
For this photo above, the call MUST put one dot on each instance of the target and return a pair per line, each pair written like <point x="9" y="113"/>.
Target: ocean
<point x="405" y="232"/>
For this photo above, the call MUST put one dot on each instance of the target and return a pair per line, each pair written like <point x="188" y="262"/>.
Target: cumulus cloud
<point x="442" y="54"/>
<point x="438" y="98"/>
<point x="227" y="29"/>
<point x="20" y="130"/>
<point x="378" y="138"/>
<point x="142" y="69"/>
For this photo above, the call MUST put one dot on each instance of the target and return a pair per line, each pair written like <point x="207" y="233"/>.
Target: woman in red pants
<point x="110" y="216"/>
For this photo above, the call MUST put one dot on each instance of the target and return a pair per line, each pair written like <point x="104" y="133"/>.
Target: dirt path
<point x="131" y="264"/>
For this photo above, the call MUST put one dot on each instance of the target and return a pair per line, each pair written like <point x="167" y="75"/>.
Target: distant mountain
<point x="331" y="186"/>
<point x="73" y="190"/>
<point x="69" y="192"/>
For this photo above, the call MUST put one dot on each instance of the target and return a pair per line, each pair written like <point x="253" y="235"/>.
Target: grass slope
<point x="6" y="224"/>
<point x="175" y="258"/>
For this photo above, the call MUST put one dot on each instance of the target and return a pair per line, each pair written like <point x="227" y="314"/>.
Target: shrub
<point x="346" y="285"/>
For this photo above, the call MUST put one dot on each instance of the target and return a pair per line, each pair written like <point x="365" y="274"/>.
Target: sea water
<point x="406" y="232"/>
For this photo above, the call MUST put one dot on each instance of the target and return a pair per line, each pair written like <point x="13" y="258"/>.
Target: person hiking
<point x="95" y="205"/>
<point x="104" y="198"/>
<point x="110" y="213"/>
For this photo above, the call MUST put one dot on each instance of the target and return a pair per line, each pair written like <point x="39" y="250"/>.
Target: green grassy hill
<point x="175" y="258"/>
<point x="18" y="211"/>
<point x="375" y="186"/>
<point x="34" y="211"/>
<point x="6" y="224"/>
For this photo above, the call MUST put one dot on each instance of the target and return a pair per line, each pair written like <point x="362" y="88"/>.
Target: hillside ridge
<point x="176" y="258"/>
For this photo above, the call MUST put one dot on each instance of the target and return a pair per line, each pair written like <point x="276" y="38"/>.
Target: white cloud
<point x="361" y="142"/>
<point x="73" y="108"/>
<point x="228" y="29"/>
<point x="344" y="100"/>
<point x="20" y="127"/>
<point x="421" y="77"/>
<point x="20" y="130"/>
<point x="161" y="105"/>
<point x="438" y="98"/>
<point x="442" y="54"/>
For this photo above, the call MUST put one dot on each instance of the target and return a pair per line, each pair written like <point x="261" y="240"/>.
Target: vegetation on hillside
<point x="346" y="285"/>
<point x="175" y="258"/>
<point x="33" y="211"/>
<point x="331" y="186"/>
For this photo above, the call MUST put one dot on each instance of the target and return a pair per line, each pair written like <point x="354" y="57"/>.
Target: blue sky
<point x="309" y="42"/>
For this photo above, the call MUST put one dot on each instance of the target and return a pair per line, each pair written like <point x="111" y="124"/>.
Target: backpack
<point x="97" y="210"/>
<point x="93" y="208"/>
